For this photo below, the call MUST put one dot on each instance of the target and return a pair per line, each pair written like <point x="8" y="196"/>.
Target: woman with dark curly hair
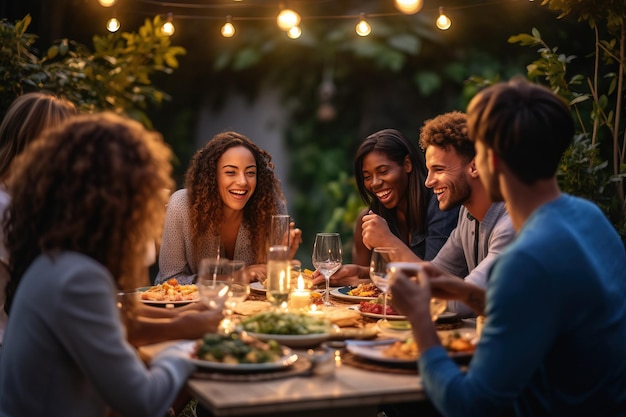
<point x="230" y="195"/>
<point x="85" y="203"/>
<point x="401" y="211"/>
<point x="27" y="117"/>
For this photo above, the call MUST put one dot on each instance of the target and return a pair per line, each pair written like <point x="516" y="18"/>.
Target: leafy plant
<point x="594" y="167"/>
<point x="115" y="76"/>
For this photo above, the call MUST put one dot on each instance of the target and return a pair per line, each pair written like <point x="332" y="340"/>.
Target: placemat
<point x="300" y="368"/>
<point x="348" y="358"/>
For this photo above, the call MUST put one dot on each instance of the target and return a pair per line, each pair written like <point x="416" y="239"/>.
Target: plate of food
<point x="374" y="309"/>
<point x="170" y="292"/>
<point x="361" y="292"/>
<point x="295" y="330"/>
<point x="383" y="351"/>
<point x="237" y="352"/>
<point x="307" y="276"/>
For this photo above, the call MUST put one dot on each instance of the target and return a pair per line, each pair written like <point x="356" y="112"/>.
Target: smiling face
<point x="448" y="176"/>
<point x="236" y="177"/>
<point x="385" y="178"/>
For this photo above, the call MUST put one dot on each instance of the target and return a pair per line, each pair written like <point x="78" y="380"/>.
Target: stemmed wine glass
<point x="327" y="258"/>
<point x="212" y="282"/>
<point x="378" y="272"/>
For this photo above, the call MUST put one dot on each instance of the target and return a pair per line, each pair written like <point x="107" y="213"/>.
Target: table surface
<point x="349" y="391"/>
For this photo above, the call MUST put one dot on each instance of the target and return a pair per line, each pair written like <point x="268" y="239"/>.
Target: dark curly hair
<point x="91" y="185"/>
<point x="397" y="147"/>
<point x="448" y="130"/>
<point x="206" y="206"/>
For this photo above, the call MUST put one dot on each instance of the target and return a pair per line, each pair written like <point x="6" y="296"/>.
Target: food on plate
<point x="365" y="290"/>
<point x="285" y="323"/>
<point x="316" y="298"/>
<point x="344" y="317"/>
<point x="376" y="307"/>
<point x="171" y="290"/>
<point x="235" y="348"/>
<point x="252" y="307"/>
<point x="457" y="342"/>
<point x="401" y="349"/>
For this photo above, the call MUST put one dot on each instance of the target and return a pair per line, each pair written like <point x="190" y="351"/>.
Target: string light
<point x="363" y="28"/>
<point x="228" y="30"/>
<point x="168" y="27"/>
<point x="113" y="25"/>
<point x="443" y="21"/>
<point x="294" y="32"/>
<point x="287" y="19"/>
<point x="107" y="3"/>
<point x="409" y="6"/>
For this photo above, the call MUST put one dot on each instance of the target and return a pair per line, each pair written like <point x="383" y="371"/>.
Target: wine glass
<point x="327" y="258"/>
<point x="378" y="272"/>
<point x="238" y="291"/>
<point x="412" y="269"/>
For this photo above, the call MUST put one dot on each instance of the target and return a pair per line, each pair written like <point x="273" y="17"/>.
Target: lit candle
<point x="300" y="297"/>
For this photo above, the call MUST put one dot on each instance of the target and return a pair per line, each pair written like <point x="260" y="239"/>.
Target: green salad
<point x="235" y="348"/>
<point x="283" y="323"/>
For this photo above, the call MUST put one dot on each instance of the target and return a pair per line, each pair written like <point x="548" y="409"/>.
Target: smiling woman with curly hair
<point x="230" y="196"/>
<point x="86" y="201"/>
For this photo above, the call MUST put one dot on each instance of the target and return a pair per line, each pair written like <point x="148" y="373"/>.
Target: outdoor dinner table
<point x="345" y="387"/>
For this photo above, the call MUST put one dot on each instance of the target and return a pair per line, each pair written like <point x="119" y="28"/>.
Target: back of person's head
<point x="527" y="126"/>
<point x="448" y="130"/>
<point x="91" y="185"/>
<point x="396" y="147"/>
<point x="27" y="117"/>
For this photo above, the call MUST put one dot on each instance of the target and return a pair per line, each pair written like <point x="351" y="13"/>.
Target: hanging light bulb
<point x="168" y="28"/>
<point x="409" y="6"/>
<point x="106" y="3"/>
<point x="287" y="19"/>
<point x="294" y="32"/>
<point x="113" y="24"/>
<point x="228" y="30"/>
<point x="363" y="28"/>
<point x="443" y="21"/>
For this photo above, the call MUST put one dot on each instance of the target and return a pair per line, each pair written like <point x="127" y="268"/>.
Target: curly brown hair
<point x="91" y="185"/>
<point x="206" y="206"/>
<point x="448" y="130"/>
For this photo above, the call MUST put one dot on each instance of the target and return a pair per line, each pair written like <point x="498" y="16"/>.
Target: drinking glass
<point x="279" y="230"/>
<point x="278" y="281"/>
<point x="327" y="258"/>
<point x="412" y="269"/>
<point x="378" y="272"/>
<point x="238" y="291"/>
<point x="212" y="282"/>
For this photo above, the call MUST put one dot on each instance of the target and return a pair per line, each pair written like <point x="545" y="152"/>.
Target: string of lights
<point x="287" y="19"/>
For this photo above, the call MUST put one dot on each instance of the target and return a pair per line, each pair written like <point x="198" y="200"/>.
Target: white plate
<point x="162" y="303"/>
<point x="288" y="359"/>
<point x="294" y="341"/>
<point x="378" y="316"/>
<point x="375" y="352"/>
<point x="447" y="315"/>
<point x="342" y="292"/>
<point x="257" y="286"/>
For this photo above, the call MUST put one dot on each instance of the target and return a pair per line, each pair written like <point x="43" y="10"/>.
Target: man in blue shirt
<point x="554" y="339"/>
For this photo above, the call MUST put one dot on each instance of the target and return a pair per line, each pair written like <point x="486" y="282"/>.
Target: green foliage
<point x="594" y="165"/>
<point x="115" y="76"/>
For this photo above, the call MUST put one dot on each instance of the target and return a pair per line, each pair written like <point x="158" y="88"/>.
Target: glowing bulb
<point x="113" y="25"/>
<point x="443" y="21"/>
<point x="228" y="30"/>
<point x="409" y="6"/>
<point x="168" y="28"/>
<point x="107" y="3"/>
<point x="294" y="32"/>
<point x="287" y="19"/>
<point x="363" y="28"/>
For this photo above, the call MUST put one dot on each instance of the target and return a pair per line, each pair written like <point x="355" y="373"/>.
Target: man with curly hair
<point x="226" y="207"/>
